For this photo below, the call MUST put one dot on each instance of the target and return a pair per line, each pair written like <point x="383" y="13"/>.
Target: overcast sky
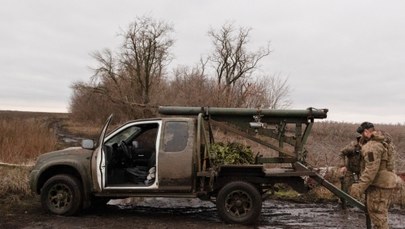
<point x="348" y="56"/>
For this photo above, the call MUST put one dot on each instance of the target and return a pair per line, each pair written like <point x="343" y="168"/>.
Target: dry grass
<point x="23" y="139"/>
<point x="328" y="138"/>
<point x="14" y="184"/>
<point x="88" y="130"/>
<point x="23" y="136"/>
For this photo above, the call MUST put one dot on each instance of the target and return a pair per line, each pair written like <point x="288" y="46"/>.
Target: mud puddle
<point x="190" y="214"/>
<point x="275" y="213"/>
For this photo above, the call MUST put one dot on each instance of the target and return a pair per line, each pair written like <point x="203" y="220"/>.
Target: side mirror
<point x="87" y="144"/>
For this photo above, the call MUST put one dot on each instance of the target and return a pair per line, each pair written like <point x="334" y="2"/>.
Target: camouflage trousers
<point x="346" y="182"/>
<point x="378" y="202"/>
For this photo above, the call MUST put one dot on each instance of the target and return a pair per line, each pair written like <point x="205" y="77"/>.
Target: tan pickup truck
<point x="169" y="157"/>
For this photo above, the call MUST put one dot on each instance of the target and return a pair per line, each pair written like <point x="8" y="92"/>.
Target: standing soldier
<point x="377" y="178"/>
<point x="350" y="157"/>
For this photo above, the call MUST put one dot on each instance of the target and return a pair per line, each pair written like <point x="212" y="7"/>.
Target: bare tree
<point x="267" y="91"/>
<point x="131" y="80"/>
<point x="276" y="91"/>
<point x="85" y="105"/>
<point x="138" y="65"/>
<point x="108" y="78"/>
<point x="231" y="59"/>
<point x="146" y="52"/>
<point x="190" y="87"/>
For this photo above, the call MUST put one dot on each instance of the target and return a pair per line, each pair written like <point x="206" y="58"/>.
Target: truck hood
<point x="68" y="153"/>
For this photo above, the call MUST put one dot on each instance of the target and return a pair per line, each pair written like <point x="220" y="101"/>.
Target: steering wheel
<point x="124" y="148"/>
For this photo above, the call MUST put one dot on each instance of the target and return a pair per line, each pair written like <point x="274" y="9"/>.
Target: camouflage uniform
<point x="350" y="157"/>
<point x="378" y="178"/>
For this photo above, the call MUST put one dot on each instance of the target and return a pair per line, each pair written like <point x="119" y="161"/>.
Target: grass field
<point x="25" y="135"/>
<point x="328" y="138"/>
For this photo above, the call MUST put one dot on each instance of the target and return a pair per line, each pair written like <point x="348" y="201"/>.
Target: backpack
<point x="390" y="151"/>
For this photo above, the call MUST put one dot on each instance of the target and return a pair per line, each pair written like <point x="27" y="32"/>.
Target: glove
<point x="356" y="191"/>
<point x="342" y="171"/>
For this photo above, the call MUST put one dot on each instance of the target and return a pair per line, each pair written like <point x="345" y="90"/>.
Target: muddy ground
<point x="190" y="214"/>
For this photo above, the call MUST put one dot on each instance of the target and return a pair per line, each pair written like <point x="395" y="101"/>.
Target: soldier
<point x="350" y="165"/>
<point x="377" y="178"/>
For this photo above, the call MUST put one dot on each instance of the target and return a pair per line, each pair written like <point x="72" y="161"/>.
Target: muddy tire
<point x="239" y="202"/>
<point x="62" y="195"/>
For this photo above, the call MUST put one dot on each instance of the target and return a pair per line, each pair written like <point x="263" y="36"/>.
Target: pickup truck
<point x="169" y="156"/>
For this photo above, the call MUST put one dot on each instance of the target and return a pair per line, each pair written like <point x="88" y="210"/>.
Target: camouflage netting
<point x="231" y="153"/>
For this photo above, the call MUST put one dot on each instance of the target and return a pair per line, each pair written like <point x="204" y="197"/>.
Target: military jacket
<point x="351" y="157"/>
<point x="374" y="164"/>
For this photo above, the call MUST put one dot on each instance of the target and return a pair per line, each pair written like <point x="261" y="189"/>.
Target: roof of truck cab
<point x="171" y="118"/>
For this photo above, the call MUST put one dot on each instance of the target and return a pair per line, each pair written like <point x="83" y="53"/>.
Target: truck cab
<point x="146" y="156"/>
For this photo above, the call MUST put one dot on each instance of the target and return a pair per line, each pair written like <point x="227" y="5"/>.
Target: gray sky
<point x="348" y="56"/>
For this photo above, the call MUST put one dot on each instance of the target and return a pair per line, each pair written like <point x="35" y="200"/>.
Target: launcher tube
<point x="220" y="111"/>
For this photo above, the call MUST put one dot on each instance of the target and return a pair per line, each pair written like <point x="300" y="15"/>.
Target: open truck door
<point x="98" y="159"/>
<point x="126" y="159"/>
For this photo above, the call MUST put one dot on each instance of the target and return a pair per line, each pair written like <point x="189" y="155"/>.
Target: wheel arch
<point x="224" y="180"/>
<point x="253" y="175"/>
<point x="67" y="169"/>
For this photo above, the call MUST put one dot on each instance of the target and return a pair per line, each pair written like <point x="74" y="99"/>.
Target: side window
<point x="145" y="134"/>
<point x="175" y="136"/>
<point x="147" y="139"/>
<point x="124" y="135"/>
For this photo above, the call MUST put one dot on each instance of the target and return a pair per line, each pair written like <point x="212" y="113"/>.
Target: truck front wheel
<point x="239" y="202"/>
<point x="62" y="195"/>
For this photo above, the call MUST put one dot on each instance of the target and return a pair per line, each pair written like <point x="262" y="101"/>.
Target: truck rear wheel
<point x="239" y="202"/>
<point x="62" y="195"/>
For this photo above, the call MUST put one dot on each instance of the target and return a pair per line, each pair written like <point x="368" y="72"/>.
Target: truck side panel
<point x="176" y="156"/>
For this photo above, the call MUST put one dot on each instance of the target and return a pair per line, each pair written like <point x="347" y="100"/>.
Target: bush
<point x="231" y="153"/>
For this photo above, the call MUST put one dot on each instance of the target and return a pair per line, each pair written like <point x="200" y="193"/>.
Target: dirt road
<point x="190" y="214"/>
